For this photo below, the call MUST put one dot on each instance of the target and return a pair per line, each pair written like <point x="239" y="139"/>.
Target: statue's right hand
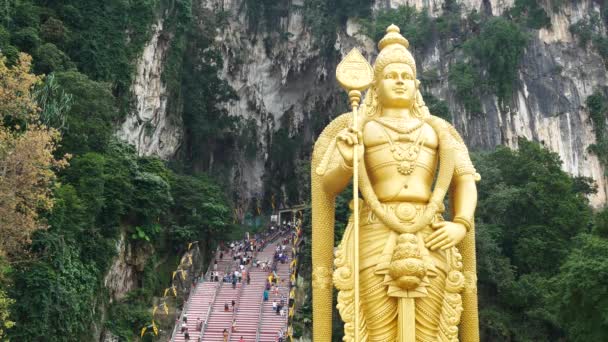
<point x="346" y="140"/>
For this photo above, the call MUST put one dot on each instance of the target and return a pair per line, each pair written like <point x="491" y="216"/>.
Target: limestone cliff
<point x="283" y="80"/>
<point x="148" y="126"/>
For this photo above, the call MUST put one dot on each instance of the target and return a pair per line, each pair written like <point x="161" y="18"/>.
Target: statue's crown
<point x="393" y="37"/>
<point x="393" y="49"/>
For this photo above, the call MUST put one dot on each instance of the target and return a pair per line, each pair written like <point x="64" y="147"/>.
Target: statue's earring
<point x="373" y="103"/>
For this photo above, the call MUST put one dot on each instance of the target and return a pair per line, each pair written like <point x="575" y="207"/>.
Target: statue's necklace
<point x="405" y="154"/>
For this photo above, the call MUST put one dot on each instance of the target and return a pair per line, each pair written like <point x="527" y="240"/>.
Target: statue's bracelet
<point x="463" y="221"/>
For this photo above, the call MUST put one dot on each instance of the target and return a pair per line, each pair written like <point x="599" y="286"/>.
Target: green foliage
<point x="200" y="210"/>
<point x="127" y="316"/>
<point x="449" y="25"/>
<point x="106" y="37"/>
<point x="89" y="49"/>
<point x="6" y="302"/>
<point x="101" y="39"/>
<point x="499" y="49"/>
<point x="101" y="195"/>
<point x="589" y="30"/>
<point x="598" y="112"/>
<point x="53" y="102"/>
<point x="266" y="12"/>
<point x="5" y="305"/>
<point x="437" y="107"/>
<point x="179" y="22"/>
<point x="26" y="40"/>
<point x="528" y="212"/>
<point x="91" y="115"/>
<point x="600" y="228"/>
<point x="54" y="295"/>
<point x="23" y="14"/>
<point x="54" y="31"/>
<point x="325" y="16"/>
<point x="208" y="126"/>
<point x="285" y="150"/>
<point x="581" y="295"/>
<point x="49" y="58"/>
<point x="597" y="104"/>
<point x="146" y="233"/>
<point x="416" y="26"/>
<point x="530" y="13"/>
<point x="467" y="84"/>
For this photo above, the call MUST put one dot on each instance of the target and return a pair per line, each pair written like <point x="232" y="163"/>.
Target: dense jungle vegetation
<point x="69" y="190"/>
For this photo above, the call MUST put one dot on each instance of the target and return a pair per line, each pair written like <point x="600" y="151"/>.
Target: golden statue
<point x="402" y="271"/>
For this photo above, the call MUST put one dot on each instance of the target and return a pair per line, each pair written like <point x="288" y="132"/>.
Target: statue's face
<point x="397" y="87"/>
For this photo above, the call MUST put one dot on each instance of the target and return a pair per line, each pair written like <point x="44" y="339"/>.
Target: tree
<point x="200" y="211"/>
<point x="91" y="114"/>
<point x="26" y="160"/>
<point x="581" y="292"/>
<point x="529" y="211"/>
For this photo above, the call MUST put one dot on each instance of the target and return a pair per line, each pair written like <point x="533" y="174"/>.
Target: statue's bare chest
<point x="398" y="133"/>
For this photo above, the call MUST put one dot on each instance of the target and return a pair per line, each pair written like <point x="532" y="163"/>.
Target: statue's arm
<point x="464" y="189"/>
<point x="464" y="198"/>
<point x="338" y="176"/>
<point x="339" y="169"/>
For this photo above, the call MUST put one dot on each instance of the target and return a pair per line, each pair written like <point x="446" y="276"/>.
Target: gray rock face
<point x="290" y="83"/>
<point x="128" y="263"/>
<point x="148" y="127"/>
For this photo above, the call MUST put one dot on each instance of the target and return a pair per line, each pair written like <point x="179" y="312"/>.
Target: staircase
<point x="198" y="308"/>
<point x="271" y="323"/>
<point x="201" y="301"/>
<point x="221" y="319"/>
<point x="255" y="320"/>
<point x="248" y="314"/>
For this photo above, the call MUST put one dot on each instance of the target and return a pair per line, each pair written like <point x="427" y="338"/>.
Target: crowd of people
<point x="243" y="253"/>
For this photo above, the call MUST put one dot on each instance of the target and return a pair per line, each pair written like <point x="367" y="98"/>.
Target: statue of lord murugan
<point x="402" y="272"/>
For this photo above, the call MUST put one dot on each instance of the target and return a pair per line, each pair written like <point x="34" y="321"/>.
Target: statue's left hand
<point x="447" y="234"/>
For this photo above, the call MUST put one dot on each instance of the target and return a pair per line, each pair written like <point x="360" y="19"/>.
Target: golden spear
<point x="355" y="75"/>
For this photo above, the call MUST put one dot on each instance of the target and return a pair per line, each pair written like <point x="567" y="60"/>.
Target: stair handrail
<point x="260" y="315"/>
<point x="184" y="310"/>
<point x="210" y="309"/>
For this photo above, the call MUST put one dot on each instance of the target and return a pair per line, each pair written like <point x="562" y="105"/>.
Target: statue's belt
<point x="406" y="212"/>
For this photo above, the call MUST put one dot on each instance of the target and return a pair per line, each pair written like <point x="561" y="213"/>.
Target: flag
<point x="174" y="291"/>
<point x="189" y="245"/>
<point x="143" y="331"/>
<point x="154" y="328"/>
<point x="166" y="290"/>
<point x="272" y="202"/>
<point x="173" y="276"/>
<point x="184" y="274"/>
<point x="154" y="310"/>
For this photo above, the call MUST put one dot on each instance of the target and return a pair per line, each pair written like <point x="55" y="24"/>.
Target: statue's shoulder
<point x="449" y="136"/>
<point x="445" y="130"/>
<point x="325" y="143"/>
<point x="333" y="128"/>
